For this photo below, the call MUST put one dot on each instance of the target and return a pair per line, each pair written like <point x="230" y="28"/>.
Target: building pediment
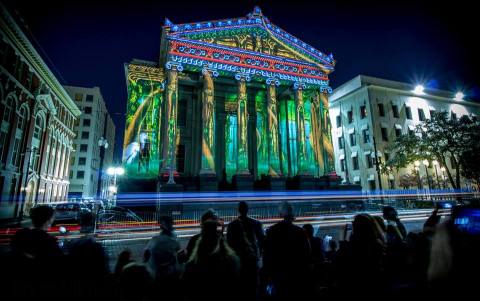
<point x="249" y="44"/>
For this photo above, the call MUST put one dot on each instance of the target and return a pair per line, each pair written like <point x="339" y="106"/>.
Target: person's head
<point x="389" y="213"/>
<point x="166" y="224"/>
<point x="210" y="214"/>
<point x="308" y="229"/>
<point x="42" y="216"/>
<point x="286" y="211"/>
<point x="243" y="208"/>
<point x="364" y="228"/>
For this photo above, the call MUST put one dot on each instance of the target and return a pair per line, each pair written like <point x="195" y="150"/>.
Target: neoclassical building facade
<point x="231" y="100"/>
<point x="37" y="118"/>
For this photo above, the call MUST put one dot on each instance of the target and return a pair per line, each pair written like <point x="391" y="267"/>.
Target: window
<point x="384" y="134"/>
<point x="396" y="114"/>
<point x="353" y="141"/>
<point x="82" y="161"/>
<point x="368" y="160"/>
<point x="355" y="163"/>
<point x="89" y="98"/>
<point x="350" y="116"/>
<point x="341" y="145"/>
<point x="180" y="158"/>
<point x="342" y="164"/>
<point x="339" y="121"/>
<point x="454" y="116"/>
<point x="381" y="109"/>
<point x="88" y="110"/>
<point x="411" y="132"/>
<point x="37" y="131"/>
<point x="86" y="122"/>
<point x="398" y="132"/>
<point x="83" y="148"/>
<point x="71" y="174"/>
<point x="408" y="112"/>
<point x="182" y="112"/>
<point x="85" y="135"/>
<point x="421" y="115"/>
<point x="80" y="174"/>
<point x="78" y="96"/>
<point x="366" y="136"/>
<point x="363" y="112"/>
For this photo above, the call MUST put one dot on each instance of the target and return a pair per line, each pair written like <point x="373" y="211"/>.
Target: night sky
<point x="86" y="43"/>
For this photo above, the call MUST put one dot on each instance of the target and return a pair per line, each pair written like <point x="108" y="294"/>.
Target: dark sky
<point x="88" y="42"/>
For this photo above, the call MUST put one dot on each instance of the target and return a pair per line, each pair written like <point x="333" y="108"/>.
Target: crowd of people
<point x="376" y="258"/>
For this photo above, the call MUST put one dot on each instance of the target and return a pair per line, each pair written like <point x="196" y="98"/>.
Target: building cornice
<point x="18" y="38"/>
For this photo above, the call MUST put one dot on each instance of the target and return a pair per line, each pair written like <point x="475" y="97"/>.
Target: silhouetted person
<point x="454" y="258"/>
<point x="36" y="256"/>
<point x="245" y="236"/>
<point x="395" y="229"/>
<point x="136" y="283"/>
<point x="360" y="261"/>
<point x="88" y="268"/>
<point x="286" y="257"/>
<point x="209" y="215"/>
<point x="213" y="267"/>
<point x="124" y="258"/>
<point x="315" y="244"/>
<point x="160" y="256"/>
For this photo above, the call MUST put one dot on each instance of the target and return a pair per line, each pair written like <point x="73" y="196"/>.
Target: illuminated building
<point x="94" y="142"/>
<point x="36" y="132"/>
<point x="233" y="100"/>
<point x="369" y="113"/>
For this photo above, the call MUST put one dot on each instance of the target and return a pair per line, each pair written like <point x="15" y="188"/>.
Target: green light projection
<point x="141" y="157"/>
<point x="261" y="133"/>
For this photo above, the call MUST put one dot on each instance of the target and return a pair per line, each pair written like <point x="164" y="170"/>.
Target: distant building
<point x="368" y="113"/>
<point x="94" y="128"/>
<point x="36" y="131"/>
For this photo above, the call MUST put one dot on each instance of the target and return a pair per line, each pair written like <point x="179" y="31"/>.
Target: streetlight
<point x="417" y="169"/>
<point x="443" y="176"/>
<point x="418" y="90"/>
<point x="435" y="163"/>
<point x="115" y="171"/>
<point x="459" y="96"/>
<point x="103" y="144"/>
<point x="426" y="164"/>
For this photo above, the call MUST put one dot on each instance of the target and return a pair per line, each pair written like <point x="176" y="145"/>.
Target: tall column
<point x="242" y="119"/>
<point x="170" y="139"/>
<point x="301" y="141"/>
<point x="208" y="123"/>
<point x="273" y="147"/>
<point x="317" y="132"/>
<point x="326" y="133"/>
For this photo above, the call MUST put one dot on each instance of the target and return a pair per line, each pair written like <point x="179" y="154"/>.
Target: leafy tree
<point x="440" y="138"/>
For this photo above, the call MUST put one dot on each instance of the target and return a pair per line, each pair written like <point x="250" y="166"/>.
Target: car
<point x="69" y="212"/>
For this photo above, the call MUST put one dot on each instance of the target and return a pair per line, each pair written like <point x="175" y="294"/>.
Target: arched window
<point x="5" y="124"/>
<point x="19" y="136"/>
<point x="36" y="143"/>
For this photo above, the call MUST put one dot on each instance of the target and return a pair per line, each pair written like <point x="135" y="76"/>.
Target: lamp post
<point x="103" y="144"/>
<point x="435" y="163"/>
<point x="426" y="164"/>
<point x="443" y="177"/>
<point x="114" y="171"/>
<point x="417" y="169"/>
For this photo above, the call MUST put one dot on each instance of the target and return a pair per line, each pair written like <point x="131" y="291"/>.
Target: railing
<point x="186" y="212"/>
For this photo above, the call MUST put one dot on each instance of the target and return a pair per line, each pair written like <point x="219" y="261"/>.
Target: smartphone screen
<point x="467" y="219"/>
